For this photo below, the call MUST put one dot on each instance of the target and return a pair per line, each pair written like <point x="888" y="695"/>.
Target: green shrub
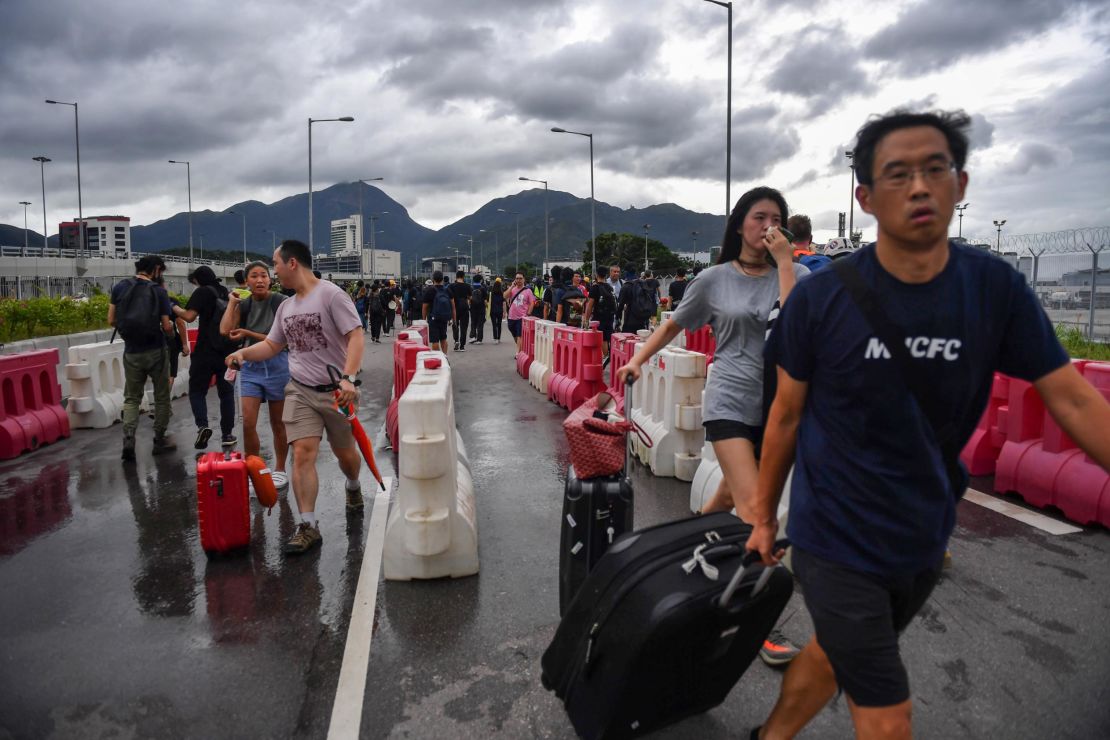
<point x="44" y="317"/>
<point x="1081" y="348"/>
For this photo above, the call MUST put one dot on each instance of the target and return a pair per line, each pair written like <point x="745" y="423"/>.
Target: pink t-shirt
<point x="314" y="328"/>
<point x="521" y="302"/>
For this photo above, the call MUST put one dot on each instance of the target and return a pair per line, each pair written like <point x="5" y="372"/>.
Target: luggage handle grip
<point x="750" y="560"/>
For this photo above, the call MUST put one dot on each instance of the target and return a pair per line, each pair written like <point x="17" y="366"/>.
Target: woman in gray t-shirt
<point x="735" y="298"/>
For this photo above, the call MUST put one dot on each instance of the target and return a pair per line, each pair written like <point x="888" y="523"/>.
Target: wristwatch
<point x="351" y="379"/>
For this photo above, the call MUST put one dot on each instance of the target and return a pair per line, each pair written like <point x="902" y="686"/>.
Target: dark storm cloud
<point x="982" y="132"/>
<point x="826" y="72"/>
<point x="1035" y="156"/>
<point x="933" y="34"/>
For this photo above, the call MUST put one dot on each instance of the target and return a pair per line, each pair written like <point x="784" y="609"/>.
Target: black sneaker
<point x="462" y="349"/>
<point x="477" y="341"/>
<point x="203" y="435"/>
<point x="163" y="444"/>
<point x="128" y="453"/>
<point x="228" y="440"/>
<point x="456" y="346"/>
<point x="777" y="650"/>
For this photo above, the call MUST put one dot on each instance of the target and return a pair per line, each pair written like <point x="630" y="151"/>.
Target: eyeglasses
<point x="900" y="177"/>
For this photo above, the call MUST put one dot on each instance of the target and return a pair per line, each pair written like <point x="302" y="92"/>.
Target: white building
<point x="108" y="235"/>
<point x="382" y="264"/>
<point x="346" y="236"/>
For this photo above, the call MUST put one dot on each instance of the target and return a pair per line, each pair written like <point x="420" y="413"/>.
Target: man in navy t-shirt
<point x="873" y="500"/>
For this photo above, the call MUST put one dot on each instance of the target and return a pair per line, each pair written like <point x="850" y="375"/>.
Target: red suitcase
<point x="223" y="501"/>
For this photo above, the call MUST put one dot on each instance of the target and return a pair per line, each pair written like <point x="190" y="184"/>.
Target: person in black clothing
<point x="677" y="288"/>
<point x="570" y="304"/>
<point x="633" y="321"/>
<point x="602" y="308"/>
<point x="460" y="293"/>
<point x="437" y="324"/>
<point x="549" y="299"/>
<point x="497" y="309"/>
<point x="389" y="294"/>
<point x="177" y="345"/>
<point x="478" y="310"/>
<point x="376" y="311"/>
<point x="208" y="357"/>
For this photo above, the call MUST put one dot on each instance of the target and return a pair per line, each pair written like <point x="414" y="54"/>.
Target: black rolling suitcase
<point x="658" y="631"/>
<point x="595" y="512"/>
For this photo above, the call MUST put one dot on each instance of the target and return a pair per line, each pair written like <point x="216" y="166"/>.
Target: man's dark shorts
<point x="516" y="326"/>
<point x="437" y="330"/>
<point x="718" y="430"/>
<point x="857" y="617"/>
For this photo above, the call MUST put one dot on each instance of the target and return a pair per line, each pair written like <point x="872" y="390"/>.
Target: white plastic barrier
<point x="680" y="338"/>
<point x="539" y="372"/>
<point x="95" y="373"/>
<point x="666" y="403"/>
<point x="432" y="530"/>
<point x="180" y="384"/>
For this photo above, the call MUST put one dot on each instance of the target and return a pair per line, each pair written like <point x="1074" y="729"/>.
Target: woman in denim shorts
<point x="248" y="319"/>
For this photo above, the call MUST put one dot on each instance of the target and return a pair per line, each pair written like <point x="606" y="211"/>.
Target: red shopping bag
<point x="597" y="437"/>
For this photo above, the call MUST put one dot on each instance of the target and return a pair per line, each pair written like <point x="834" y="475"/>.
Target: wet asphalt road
<point x="113" y="622"/>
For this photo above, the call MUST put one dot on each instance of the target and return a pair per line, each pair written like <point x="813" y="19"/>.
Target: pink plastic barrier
<point x="31" y="412"/>
<point x="621" y="348"/>
<point x="527" y="351"/>
<point x="1022" y="418"/>
<point x="981" y="452"/>
<point x="418" y="332"/>
<point x="1082" y="487"/>
<point x="702" y="341"/>
<point x="404" y="367"/>
<point x="577" y="373"/>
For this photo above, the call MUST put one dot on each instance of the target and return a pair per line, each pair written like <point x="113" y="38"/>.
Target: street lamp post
<point x="850" y="154"/>
<point x="80" y="211"/>
<point x="273" y="238"/>
<point x="694" y="236"/>
<point x="189" y="186"/>
<point x="244" y="217"/>
<point x="373" y="243"/>
<point x="728" y="122"/>
<point x="42" y="169"/>
<point x="496" y="247"/>
<point x="25" y="203"/>
<point x="646" y="228"/>
<point x="470" y="238"/>
<point x="362" y="225"/>
<point x="961" y="209"/>
<point x="344" y="119"/>
<point x="593" y="223"/>
<point x="546" y="252"/>
<point x="998" y="243"/>
<point x="201" y="245"/>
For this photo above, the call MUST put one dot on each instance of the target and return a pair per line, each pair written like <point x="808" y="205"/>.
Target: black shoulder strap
<point x="895" y="342"/>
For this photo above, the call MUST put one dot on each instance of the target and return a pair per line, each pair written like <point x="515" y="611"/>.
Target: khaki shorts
<point x="308" y="412"/>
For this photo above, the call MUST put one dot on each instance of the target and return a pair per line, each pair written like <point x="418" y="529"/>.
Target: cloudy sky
<point x="454" y="99"/>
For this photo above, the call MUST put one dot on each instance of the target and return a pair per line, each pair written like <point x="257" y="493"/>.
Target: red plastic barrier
<point x="621" y="348"/>
<point x="192" y="338"/>
<point x="31" y="412"/>
<point x="404" y="367"/>
<point x="1023" y="421"/>
<point x="527" y="351"/>
<point x="981" y="452"/>
<point x="415" y="333"/>
<point x="702" y="341"/>
<point x="576" y="373"/>
<point x="1082" y="489"/>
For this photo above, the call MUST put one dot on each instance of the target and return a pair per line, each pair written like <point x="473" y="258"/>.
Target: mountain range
<point x="493" y="226"/>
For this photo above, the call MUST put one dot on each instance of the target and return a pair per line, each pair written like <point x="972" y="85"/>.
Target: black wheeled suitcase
<point x="595" y="512"/>
<point x="663" y="627"/>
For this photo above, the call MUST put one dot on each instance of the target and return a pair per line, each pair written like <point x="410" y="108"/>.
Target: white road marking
<point x="346" y="711"/>
<point x="1025" y="516"/>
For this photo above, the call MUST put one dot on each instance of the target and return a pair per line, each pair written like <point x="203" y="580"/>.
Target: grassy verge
<point x="1081" y="348"/>
<point x="45" y="317"/>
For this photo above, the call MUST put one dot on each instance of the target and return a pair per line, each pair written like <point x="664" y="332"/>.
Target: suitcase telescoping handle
<point x="751" y="560"/>
<point x="628" y="381"/>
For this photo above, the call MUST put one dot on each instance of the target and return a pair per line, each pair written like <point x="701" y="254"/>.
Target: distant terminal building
<point x="346" y="236"/>
<point x="377" y="264"/>
<point x="105" y="235"/>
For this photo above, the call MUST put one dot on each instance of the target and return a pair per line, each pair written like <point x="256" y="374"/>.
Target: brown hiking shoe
<point x="304" y="539"/>
<point x="354" y="500"/>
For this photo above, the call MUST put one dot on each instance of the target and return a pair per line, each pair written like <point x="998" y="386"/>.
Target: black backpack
<point x="441" y="306"/>
<point x="606" y="302"/>
<point x="642" y="302"/>
<point x="218" y="342"/>
<point x="138" y="317"/>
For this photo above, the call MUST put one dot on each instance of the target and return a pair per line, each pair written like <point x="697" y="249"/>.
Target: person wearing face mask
<point x="248" y="319"/>
<point x="735" y="298"/>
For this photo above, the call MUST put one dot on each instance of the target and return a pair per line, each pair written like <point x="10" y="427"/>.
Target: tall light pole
<point x="851" y="193"/>
<point x="42" y="168"/>
<point x="201" y="246"/>
<point x="646" y="228"/>
<point x="517" y="215"/>
<point x="273" y="238"/>
<point x="694" y="236"/>
<point x="189" y="185"/>
<point x="244" y="217"/>
<point x="77" y="137"/>
<point x="593" y="223"/>
<point x="728" y="122"/>
<point x="362" y="226"/>
<point x="25" y="203"/>
<point x="344" y="119"/>
<point x="961" y="209"/>
<point x="470" y="238"/>
<point x="373" y="242"/>
<point x="496" y="247"/>
<point x="998" y="244"/>
<point x="546" y="243"/>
